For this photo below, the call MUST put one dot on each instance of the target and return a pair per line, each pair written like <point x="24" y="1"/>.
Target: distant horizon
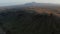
<point x="20" y="4"/>
<point x="17" y="2"/>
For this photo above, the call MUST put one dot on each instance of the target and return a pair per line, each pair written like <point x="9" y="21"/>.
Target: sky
<point x="14" y="2"/>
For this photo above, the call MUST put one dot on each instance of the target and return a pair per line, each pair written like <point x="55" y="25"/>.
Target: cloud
<point x="10" y="2"/>
<point x="47" y="1"/>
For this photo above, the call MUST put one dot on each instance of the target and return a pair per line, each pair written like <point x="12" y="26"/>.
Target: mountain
<point x="37" y="7"/>
<point x="30" y="18"/>
<point x="44" y="5"/>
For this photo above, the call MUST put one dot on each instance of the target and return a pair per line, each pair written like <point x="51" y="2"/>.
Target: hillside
<point x="30" y="20"/>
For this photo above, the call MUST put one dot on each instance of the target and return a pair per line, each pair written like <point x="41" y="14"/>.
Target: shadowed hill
<point x="30" y="18"/>
<point x="24" y="22"/>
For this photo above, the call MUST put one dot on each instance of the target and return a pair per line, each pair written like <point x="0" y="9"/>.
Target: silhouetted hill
<point x="23" y="22"/>
<point x="30" y="18"/>
<point x="42" y="5"/>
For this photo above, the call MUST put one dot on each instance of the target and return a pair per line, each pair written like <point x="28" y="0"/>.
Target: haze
<point x="15" y="2"/>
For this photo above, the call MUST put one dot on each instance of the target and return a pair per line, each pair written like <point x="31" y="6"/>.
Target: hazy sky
<point x="14" y="2"/>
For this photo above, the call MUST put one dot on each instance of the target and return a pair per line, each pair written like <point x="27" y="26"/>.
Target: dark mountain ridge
<point x="17" y="20"/>
<point x="43" y="5"/>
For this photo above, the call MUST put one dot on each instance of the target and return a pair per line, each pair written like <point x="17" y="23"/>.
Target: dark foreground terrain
<point x="23" y="22"/>
<point x="31" y="18"/>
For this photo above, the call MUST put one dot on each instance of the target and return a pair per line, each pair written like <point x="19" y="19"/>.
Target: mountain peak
<point x="33" y="2"/>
